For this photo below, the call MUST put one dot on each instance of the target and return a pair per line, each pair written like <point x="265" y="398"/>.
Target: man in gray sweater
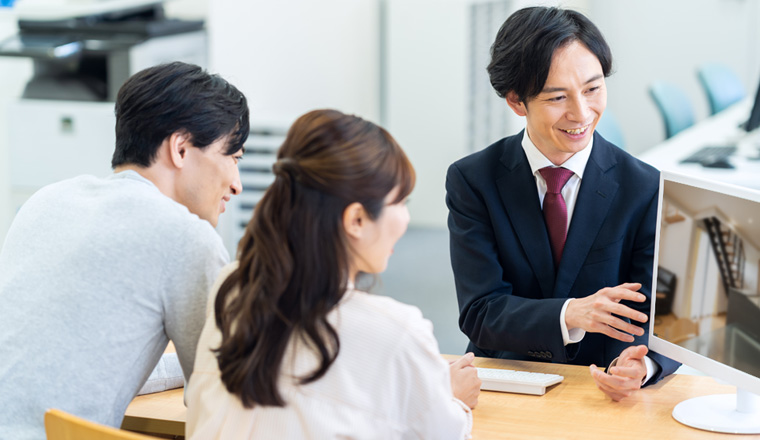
<point x="97" y="275"/>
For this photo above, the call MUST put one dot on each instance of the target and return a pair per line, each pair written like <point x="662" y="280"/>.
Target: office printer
<point x="84" y="50"/>
<point x="81" y="52"/>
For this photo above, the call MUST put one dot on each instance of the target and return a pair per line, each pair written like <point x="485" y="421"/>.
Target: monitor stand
<point x="729" y="413"/>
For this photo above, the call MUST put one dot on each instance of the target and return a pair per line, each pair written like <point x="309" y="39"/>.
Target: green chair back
<point x="721" y="85"/>
<point x="675" y="107"/>
<point x="609" y="127"/>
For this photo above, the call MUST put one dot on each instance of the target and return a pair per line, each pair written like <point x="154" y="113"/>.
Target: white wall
<point x="431" y="71"/>
<point x="709" y="295"/>
<point x="187" y="9"/>
<point x="667" y="40"/>
<point x="427" y="75"/>
<point x="671" y="251"/>
<point x="292" y="56"/>
<point x="13" y="76"/>
<point x="751" y="268"/>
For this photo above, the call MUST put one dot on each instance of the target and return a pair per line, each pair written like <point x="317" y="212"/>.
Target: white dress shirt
<point x="576" y="164"/>
<point x="388" y="381"/>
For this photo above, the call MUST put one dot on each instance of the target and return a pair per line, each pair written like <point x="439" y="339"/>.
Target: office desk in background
<point x="718" y="130"/>
<point x="573" y="409"/>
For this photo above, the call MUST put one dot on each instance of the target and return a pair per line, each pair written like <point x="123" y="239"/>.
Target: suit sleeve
<point x="641" y="266"/>
<point x="492" y="315"/>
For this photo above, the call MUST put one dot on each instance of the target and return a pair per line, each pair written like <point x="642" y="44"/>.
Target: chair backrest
<point x="60" y="425"/>
<point x="721" y="85"/>
<point x="675" y="107"/>
<point x="609" y="128"/>
<point x="666" y="280"/>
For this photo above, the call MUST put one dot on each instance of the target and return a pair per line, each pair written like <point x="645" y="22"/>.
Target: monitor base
<point x="718" y="413"/>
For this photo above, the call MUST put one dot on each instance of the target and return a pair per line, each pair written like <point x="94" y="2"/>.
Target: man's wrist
<point x="652" y="369"/>
<point x="572" y="335"/>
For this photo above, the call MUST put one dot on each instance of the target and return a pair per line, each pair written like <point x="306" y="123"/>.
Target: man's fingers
<point x="613" y="386"/>
<point x="611" y="380"/>
<point x="611" y="332"/>
<point x="595" y="371"/>
<point x="614" y="334"/>
<point x="630" y="286"/>
<point x="602" y="380"/>
<point x="628" y="372"/>
<point x="606" y="389"/>
<point x="614" y="394"/>
<point x="594" y="313"/>
<point x="622" y="382"/>
<point x="619" y="324"/>
<point x="627" y="312"/>
<point x="619" y="293"/>
<point x="637" y="352"/>
<point x="463" y="361"/>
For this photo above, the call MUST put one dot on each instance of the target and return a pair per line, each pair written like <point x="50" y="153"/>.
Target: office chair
<point x="674" y="105"/>
<point x="721" y="85"/>
<point x="665" y="292"/>
<point x="60" y="425"/>
<point x="609" y="128"/>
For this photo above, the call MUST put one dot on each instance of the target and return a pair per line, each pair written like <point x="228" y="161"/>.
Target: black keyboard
<point x="711" y="155"/>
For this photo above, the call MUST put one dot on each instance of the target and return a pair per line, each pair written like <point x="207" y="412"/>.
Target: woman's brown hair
<point x="294" y="256"/>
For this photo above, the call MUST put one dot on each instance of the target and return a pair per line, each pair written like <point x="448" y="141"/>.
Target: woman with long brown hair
<point x="291" y="349"/>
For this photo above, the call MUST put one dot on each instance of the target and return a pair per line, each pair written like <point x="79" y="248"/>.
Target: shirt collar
<point x="537" y="160"/>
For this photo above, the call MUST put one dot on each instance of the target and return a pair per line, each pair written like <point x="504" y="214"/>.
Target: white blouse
<point x="389" y="381"/>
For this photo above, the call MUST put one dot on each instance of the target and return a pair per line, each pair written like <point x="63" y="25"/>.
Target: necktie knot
<point x="556" y="178"/>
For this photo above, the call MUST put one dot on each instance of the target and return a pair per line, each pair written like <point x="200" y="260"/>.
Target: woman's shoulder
<point x="382" y="306"/>
<point x="386" y="318"/>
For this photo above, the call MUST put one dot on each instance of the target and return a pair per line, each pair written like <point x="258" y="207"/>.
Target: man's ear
<point x="178" y="144"/>
<point x="354" y="219"/>
<point x="517" y="106"/>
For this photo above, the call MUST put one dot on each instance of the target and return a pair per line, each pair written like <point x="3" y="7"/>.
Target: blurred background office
<point x="415" y="66"/>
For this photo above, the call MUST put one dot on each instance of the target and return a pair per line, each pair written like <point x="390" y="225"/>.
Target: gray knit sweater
<point x="96" y="276"/>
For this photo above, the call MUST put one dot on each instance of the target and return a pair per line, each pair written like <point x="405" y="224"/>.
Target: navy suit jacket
<point x="510" y="296"/>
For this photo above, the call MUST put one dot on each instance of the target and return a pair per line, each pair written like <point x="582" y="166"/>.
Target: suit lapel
<point x="517" y="189"/>
<point x="591" y="208"/>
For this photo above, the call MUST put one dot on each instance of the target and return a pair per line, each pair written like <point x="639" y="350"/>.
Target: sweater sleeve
<point x="186" y="300"/>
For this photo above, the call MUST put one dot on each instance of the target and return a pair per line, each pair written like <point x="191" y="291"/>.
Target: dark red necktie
<point x="555" y="210"/>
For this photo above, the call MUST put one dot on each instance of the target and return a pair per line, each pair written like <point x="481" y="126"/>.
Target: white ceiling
<point x="743" y="214"/>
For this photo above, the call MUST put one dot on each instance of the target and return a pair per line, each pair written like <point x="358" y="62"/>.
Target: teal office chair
<point x="721" y="85"/>
<point x="609" y="128"/>
<point x="675" y="107"/>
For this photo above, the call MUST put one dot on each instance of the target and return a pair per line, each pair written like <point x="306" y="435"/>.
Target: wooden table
<point x="573" y="409"/>
<point x="159" y="413"/>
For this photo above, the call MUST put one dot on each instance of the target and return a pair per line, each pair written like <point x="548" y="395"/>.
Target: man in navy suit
<point x="552" y="230"/>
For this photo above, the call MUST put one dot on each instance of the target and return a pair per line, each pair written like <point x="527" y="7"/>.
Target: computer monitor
<point x="706" y="312"/>
<point x="754" y="117"/>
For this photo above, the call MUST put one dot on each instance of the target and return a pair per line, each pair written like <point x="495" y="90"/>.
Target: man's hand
<point x="594" y="313"/>
<point x="465" y="383"/>
<point x="626" y="376"/>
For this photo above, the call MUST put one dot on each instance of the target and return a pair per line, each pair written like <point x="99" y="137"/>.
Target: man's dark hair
<point x="176" y="97"/>
<point x="522" y="53"/>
